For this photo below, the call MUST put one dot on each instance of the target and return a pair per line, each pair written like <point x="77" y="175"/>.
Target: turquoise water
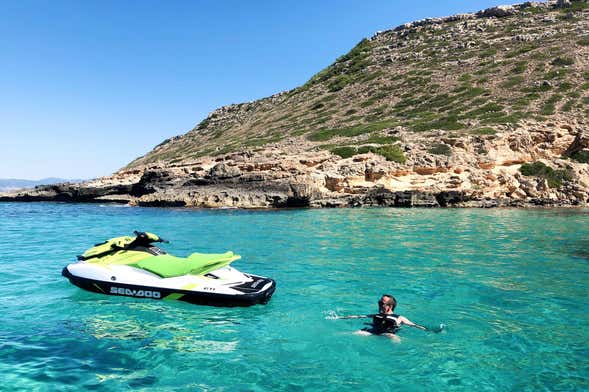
<point x="511" y="285"/>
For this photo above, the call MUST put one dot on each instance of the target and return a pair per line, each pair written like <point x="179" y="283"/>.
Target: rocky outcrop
<point x="579" y="145"/>
<point x="493" y="12"/>
<point x="282" y="176"/>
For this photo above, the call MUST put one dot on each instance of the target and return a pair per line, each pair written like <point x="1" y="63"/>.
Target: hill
<point x="469" y="74"/>
<point x="482" y="109"/>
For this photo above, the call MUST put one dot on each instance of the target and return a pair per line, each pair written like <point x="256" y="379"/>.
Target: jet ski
<point x="134" y="266"/>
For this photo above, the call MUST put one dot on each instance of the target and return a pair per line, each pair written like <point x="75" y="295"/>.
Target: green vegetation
<point x="564" y="86"/>
<point x="390" y="152"/>
<point x="556" y="74"/>
<point x="483" y="110"/>
<point x="554" y="178"/>
<point x="446" y="123"/>
<point x="346" y="70"/>
<point x="339" y="82"/>
<point x="513" y="81"/>
<point x="560" y="61"/>
<point x="326" y="134"/>
<point x="204" y="123"/>
<point x="583" y="41"/>
<point x="380" y="139"/>
<point x="522" y="50"/>
<point x="581" y="156"/>
<point x="345" y="151"/>
<point x="483" y="131"/>
<point x="576" y="5"/>
<point x="488" y="53"/>
<point x="520" y="67"/>
<point x="440" y="149"/>
<point x="549" y="107"/>
<point x="568" y="106"/>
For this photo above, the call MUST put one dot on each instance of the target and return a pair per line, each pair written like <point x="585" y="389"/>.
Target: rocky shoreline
<point x="287" y="174"/>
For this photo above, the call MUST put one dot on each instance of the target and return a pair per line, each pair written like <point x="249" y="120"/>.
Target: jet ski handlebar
<point x="150" y="236"/>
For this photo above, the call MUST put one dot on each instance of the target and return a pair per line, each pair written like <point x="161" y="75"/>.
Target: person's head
<point x="387" y="304"/>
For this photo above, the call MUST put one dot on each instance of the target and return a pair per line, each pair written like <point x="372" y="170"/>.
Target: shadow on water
<point x="576" y="247"/>
<point x="63" y="355"/>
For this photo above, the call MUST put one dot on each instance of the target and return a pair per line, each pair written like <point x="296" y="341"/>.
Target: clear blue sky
<point x="87" y="86"/>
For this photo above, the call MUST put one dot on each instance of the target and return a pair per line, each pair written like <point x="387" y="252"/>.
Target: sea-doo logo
<point x="135" y="293"/>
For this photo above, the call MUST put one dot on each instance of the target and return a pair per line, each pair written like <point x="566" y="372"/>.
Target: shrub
<point x="575" y="6"/>
<point x="483" y="131"/>
<point x="520" y="67"/>
<point x="503" y="118"/>
<point x="344" y="152"/>
<point x="560" y="61"/>
<point x="449" y="123"/>
<point x="365" y="149"/>
<point x="488" y="53"/>
<point x="568" y="106"/>
<point x="556" y="74"/>
<point x="326" y="134"/>
<point x="339" y="82"/>
<point x="549" y="106"/>
<point x="522" y="50"/>
<point x="554" y="178"/>
<point x="370" y="76"/>
<point x="564" y="86"/>
<point x="583" y="41"/>
<point x="380" y="139"/>
<point x="513" y="81"/>
<point x="391" y="152"/>
<point x="440" y="149"/>
<point x="488" y="108"/>
<point x="581" y="156"/>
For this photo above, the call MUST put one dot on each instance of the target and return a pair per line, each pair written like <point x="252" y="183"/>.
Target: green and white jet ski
<point x="135" y="267"/>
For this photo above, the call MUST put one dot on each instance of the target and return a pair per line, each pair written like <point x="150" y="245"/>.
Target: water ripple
<point x="510" y="284"/>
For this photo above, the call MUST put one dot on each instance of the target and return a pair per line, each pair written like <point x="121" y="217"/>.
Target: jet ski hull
<point x="258" y="291"/>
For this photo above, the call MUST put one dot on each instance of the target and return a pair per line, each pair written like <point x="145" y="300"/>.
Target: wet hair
<point x="391" y="301"/>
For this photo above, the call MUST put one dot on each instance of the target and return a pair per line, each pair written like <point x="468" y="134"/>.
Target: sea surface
<point x="512" y="287"/>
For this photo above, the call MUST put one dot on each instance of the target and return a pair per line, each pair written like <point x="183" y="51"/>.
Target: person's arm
<point x="355" y="316"/>
<point x="406" y="321"/>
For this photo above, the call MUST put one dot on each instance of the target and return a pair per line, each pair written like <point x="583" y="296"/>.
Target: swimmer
<point x="385" y="322"/>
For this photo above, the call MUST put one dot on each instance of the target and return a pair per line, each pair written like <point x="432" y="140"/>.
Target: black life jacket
<point x="385" y="323"/>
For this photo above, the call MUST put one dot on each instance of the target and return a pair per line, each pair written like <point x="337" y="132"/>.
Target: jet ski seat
<point x="168" y="266"/>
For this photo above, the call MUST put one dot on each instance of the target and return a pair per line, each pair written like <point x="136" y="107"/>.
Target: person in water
<point x="385" y="322"/>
